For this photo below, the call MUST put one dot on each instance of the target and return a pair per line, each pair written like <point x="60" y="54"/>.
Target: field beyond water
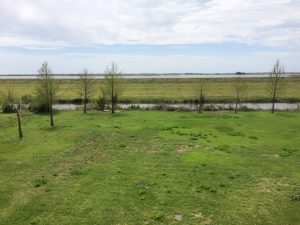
<point x="151" y="168"/>
<point x="169" y="90"/>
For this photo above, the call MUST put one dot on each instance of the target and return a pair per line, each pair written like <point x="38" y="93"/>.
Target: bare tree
<point x="276" y="83"/>
<point x="86" y="87"/>
<point x="201" y="92"/>
<point x="240" y="89"/>
<point x="112" y="85"/>
<point x="47" y="88"/>
<point x="8" y="101"/>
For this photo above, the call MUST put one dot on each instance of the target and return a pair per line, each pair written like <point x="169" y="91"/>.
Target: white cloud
<point x="49" y="23"/>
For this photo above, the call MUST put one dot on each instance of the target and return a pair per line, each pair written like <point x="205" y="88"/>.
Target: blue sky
<point x="157" y="36"/>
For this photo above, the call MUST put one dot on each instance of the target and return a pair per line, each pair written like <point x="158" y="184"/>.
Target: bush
<point x="159" y="107"/>
<point x="170" y="108"/>
<point x="211" y="107"/>
<point x="26" y="99"/>
<point x="183" y="109"/>
<point x="245" y="109"/>
<point x="101" y="103"/>
<point x="71" y="101"/>
<point x="7" y="108"/>
<point x="38" y="105"/>
<point x="134" y="107"/>
<point x="7" y="99"/>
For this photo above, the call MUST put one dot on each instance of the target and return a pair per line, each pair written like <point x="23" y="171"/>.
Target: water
<point x="66" y="106"/>
<point x="147" y="76"/>
<point x="255" y="106"/>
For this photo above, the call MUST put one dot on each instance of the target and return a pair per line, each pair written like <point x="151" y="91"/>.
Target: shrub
<point x="7" y="108"/>
<point x="183" y="109"/>
<point x="170" y="108"/>
<point x="159" y="107"/>
<point x="38" y="105"/>
<point x="134" y="107"/>
<point x="26" y="99"/>
<point x="101" y="103"/>
<point x="211" y="107"/>
<point x="245" y="109"/>
<point x="7" y="100"/>
<point x="71" y="101"/>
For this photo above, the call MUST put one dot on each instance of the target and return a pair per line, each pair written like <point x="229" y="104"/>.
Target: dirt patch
<point x="265" y="185"/>
<point x="85" y="145"/>
<point x="178" y="217"/>
<point x="199" y="215"/>
<point x="207" y="221"/>
<point x="96" y="156"/>
<point x="154" y="148"/>
<point x="182" y="149"/>
<point x="187" y="147"/>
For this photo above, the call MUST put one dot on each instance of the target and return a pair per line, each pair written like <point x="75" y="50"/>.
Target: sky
<point x="153" y="36"/>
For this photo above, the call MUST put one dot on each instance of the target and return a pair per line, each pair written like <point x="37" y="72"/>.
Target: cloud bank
<point x="149" y="36"/>
<point x="52" y="24"/>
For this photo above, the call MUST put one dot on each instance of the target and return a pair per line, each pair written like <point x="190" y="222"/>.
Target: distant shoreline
<point x="151" y="75"/>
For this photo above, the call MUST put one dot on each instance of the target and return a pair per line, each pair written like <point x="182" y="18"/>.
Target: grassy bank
<point x="169" y="90"/>
<point x="150" y="168"/>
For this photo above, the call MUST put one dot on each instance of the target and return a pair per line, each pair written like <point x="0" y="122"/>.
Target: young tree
<point x="201" y="92"/>
<point x="112" y="84"/>
<point x="47" y="88"/>
<point x="240" y="89"/>
<point x="8" y="101"/>
<point x="276" y="83"/>
<point x="86" y="87"/>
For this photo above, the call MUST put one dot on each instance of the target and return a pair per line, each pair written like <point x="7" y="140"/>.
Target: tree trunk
<point x="112" y="104"/>
<point x="51" y="112"/>
<point x="201" y="100"/>
<point x="273" y="101"/>
<point x="51" y="117"/>
<point x="236" y="106"/>
<point x="112" y="96"/>
<point x="85" y="95"/>
<point x="273" y="106"/>
<point x="84" y="104"/>
<point x="200" y="107"/>
<point x="274" y="95"/>
<point x="19" y="125"/>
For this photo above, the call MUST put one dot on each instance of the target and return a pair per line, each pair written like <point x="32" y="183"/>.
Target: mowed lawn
<point x="147" y="167"/>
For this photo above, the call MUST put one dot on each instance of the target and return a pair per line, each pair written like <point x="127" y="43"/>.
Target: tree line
<point x="112" y="87"/>
<point x="275" y="87"/>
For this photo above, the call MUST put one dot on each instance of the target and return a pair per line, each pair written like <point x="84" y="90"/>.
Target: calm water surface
<point x="256" y="106"/>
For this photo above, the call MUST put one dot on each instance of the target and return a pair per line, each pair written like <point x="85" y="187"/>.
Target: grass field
<point x="151" y="168"/>
<point x="168" y="90"/>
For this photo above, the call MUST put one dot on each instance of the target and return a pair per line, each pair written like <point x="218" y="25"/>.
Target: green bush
<point x="39" y="105"/>
<point x="26" y="99"/>
<point x="7" y="100"/>
<point x="7" y="108"/>
<point x="101" y="103"/>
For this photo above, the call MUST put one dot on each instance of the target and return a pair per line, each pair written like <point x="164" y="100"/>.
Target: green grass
<point x="169" y="90"/>
<point x="151" y="168"/>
